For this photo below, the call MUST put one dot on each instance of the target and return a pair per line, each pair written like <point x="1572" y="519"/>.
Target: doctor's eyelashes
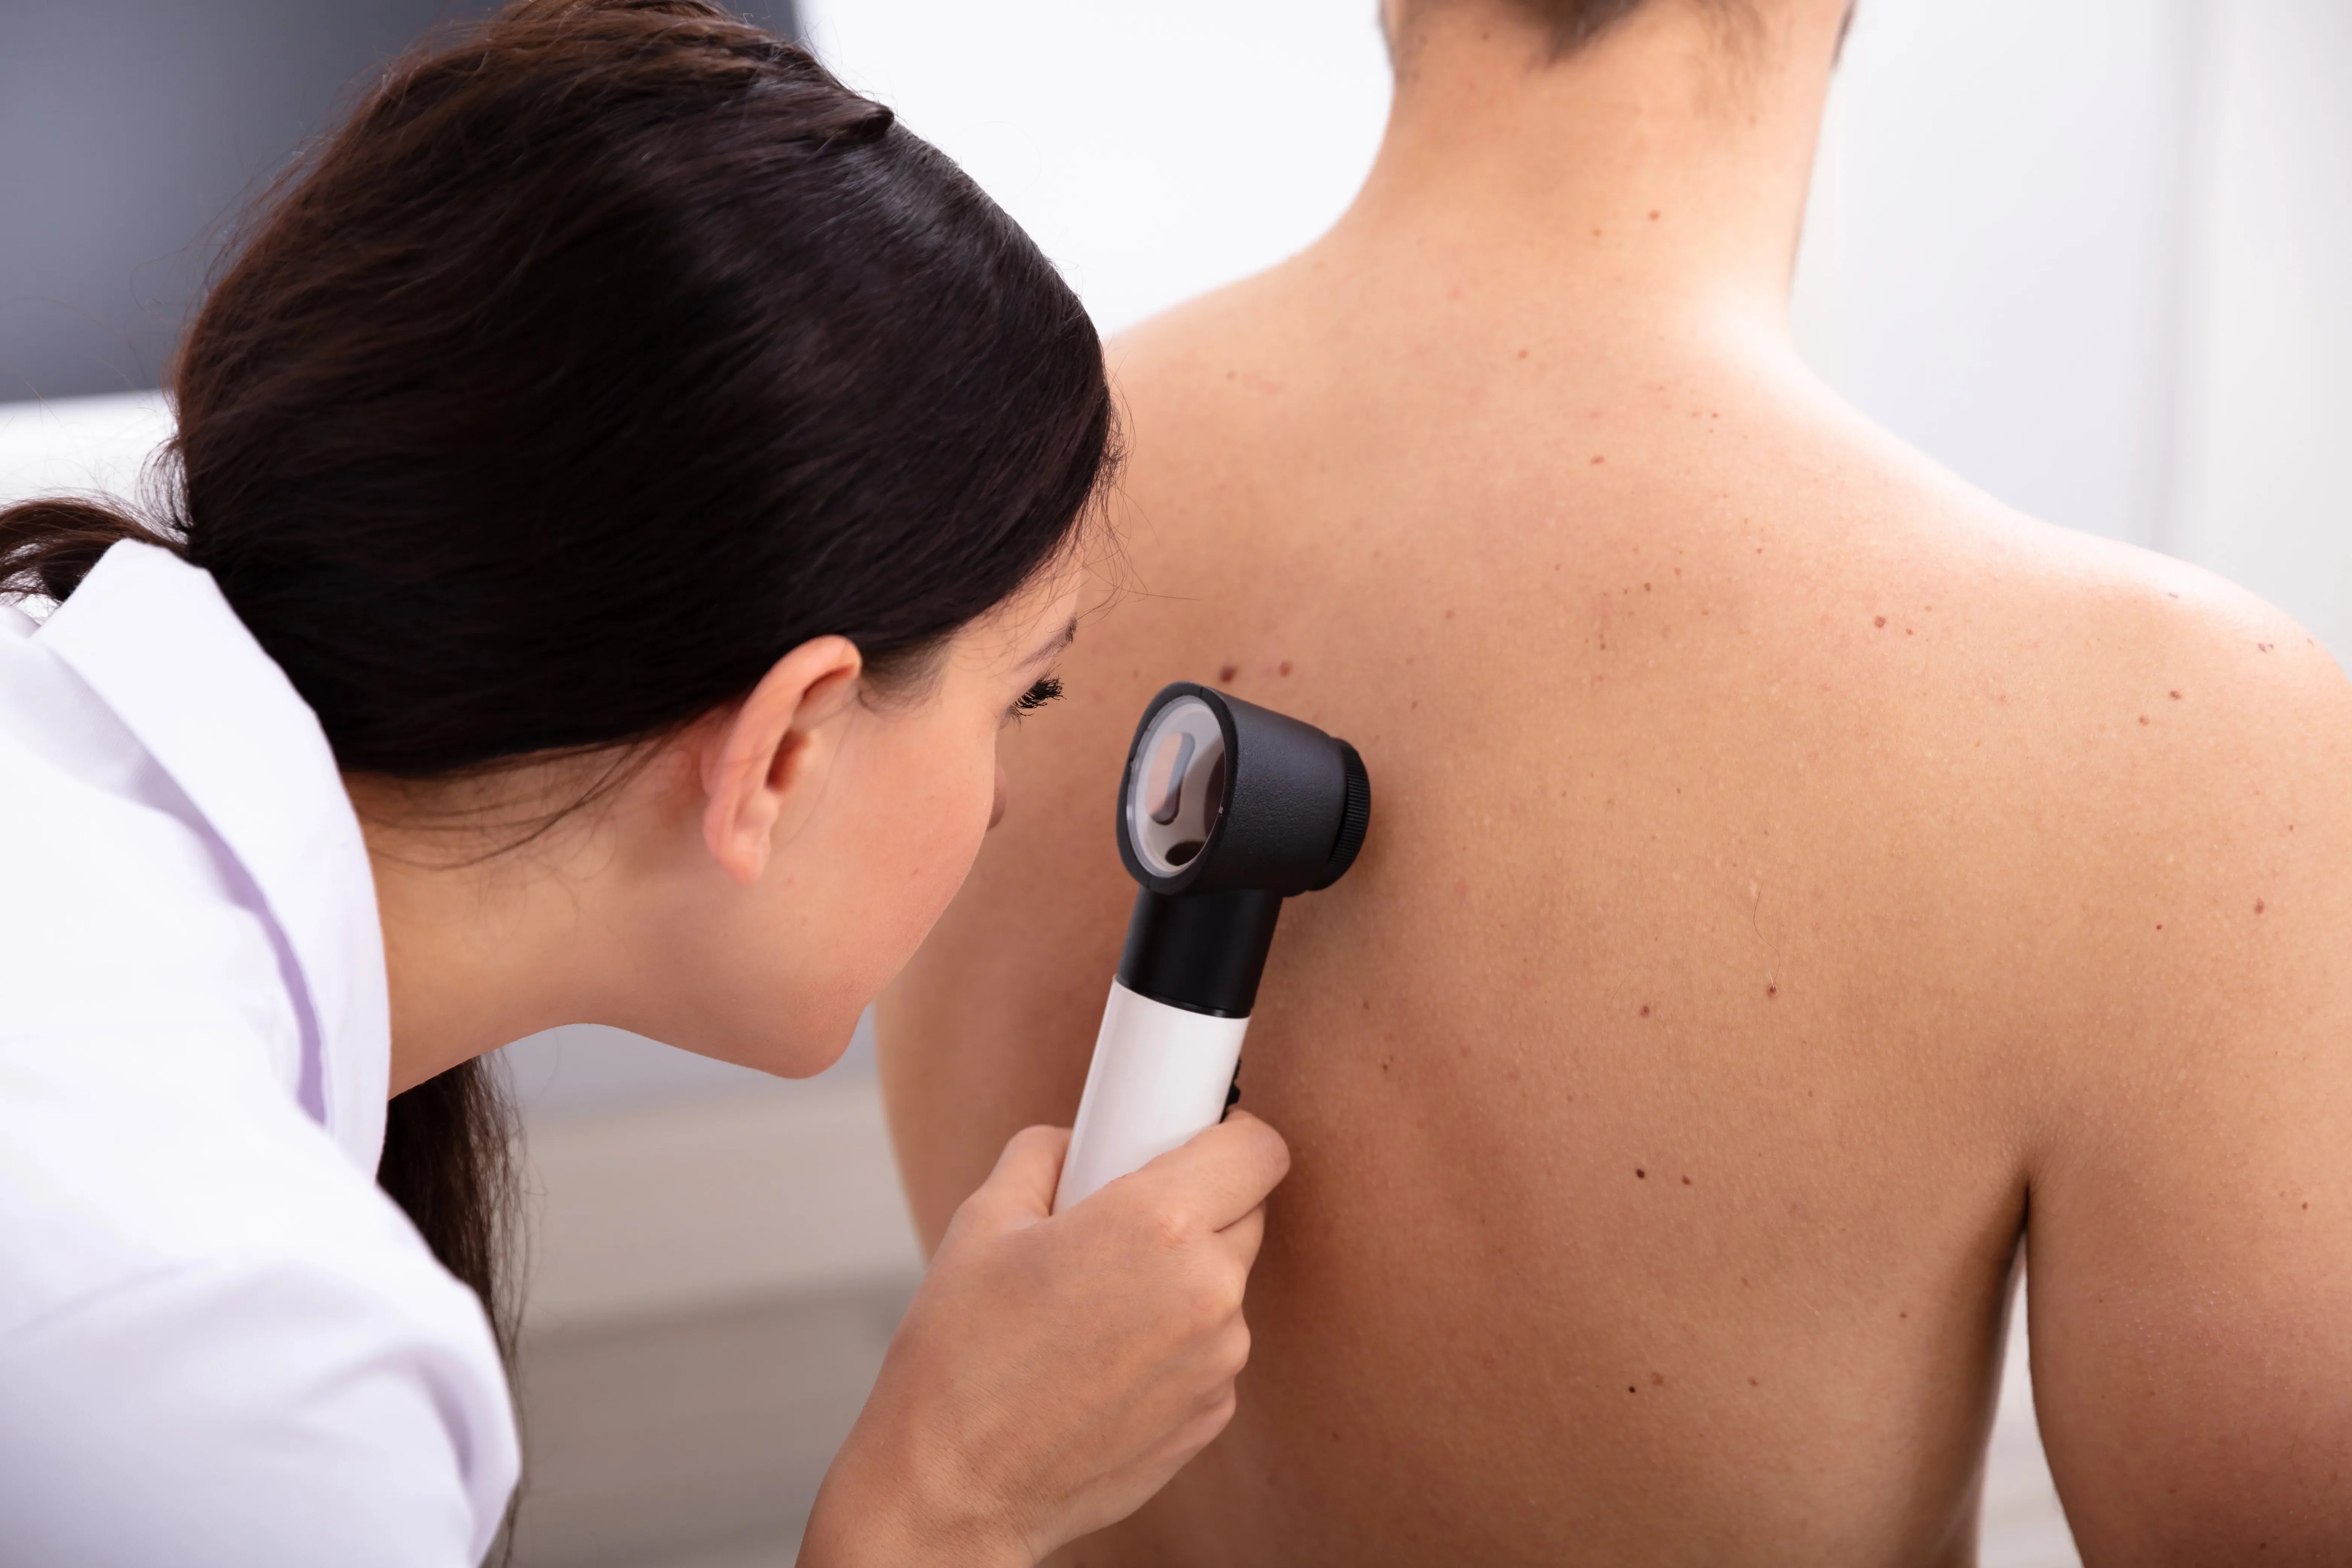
<point x="1047" y="689"/>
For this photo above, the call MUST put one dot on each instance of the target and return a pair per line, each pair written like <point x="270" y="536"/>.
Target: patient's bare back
<point x="1795" y="881"/>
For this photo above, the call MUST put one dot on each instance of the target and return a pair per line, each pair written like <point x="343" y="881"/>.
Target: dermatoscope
<point x="1227" y="809"/>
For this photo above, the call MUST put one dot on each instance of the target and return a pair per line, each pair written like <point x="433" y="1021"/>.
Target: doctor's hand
<point x="1055" y="1370"/>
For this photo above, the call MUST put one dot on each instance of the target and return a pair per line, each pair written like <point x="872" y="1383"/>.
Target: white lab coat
<point x="219" y="1342"/>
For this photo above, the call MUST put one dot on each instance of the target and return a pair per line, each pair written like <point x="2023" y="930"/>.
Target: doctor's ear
<point x="764" y="764"/>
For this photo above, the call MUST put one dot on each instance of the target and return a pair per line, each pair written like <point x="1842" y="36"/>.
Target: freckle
<point x="1909" y="632"/>
<point x="1880" y="623"/>
<point x="1597" y="461"/>
<point x="1286" y="666"/>
<point x="2143" y="718"/>
<point x="2172" y="596"/>
<point x="2176" y="696"/>
<point x="1653" y="217"/>
<point x="1657" y="1380"/>
<point x="1771" y="991"/>
<point x="1227" y="672"/>
<point x="1522" y="353"/>
<point x="2160" y="928"/>
<point x="1903" y="1315"/>
<point x="2264" y="647"/>
<point x="1641" y="1175"/>
<point x="1449" y="615"/>
<point x="1645" y="1012"/>
<point x="1645" y="587"/>
<point x="1686" y="1181"/>
<point x="1753" y="1383"/>
<point x="2258" y="906"/>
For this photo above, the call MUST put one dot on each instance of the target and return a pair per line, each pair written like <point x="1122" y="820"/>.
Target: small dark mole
<point x="1909" y="632"/>
<point x="1772" y="991"/>
<point x="1645" y="587"/>
<point x="2160" y="928"/>
<point x="1596" y="233"/>
<point x="1903" y="1314"/>
<point x="1227" y="672"/>
<point x="1657" y="1380"/>
<point x="1753" y="1383"/>
<point x="1522" y="353"/>
<point x="1653" y="217"/>
<point x="1630" y="1389"/>
<point x="1449" y="615"/>
<point x="2258" y="906"/>
<point x="1686" y="1181"/>
<point x="2143" y="718"/>
<point x="1641" y="1175"/>
<point x="2306" y="1205"/>
<point x="2176" y="696"/>
<point x="1880" y="622"/>
<point x="1597" y="461"/>
<point x="1645" y="1012"/>
<point x="1286" y="666"/>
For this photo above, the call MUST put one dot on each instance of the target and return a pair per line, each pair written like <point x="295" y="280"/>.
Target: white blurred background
<point x="2091" y="254"/>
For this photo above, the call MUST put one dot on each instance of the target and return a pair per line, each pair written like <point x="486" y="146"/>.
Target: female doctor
<point x="626" y="482"/>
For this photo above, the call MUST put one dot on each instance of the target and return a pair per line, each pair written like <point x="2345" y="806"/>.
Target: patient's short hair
<point x="1573" y="23"/>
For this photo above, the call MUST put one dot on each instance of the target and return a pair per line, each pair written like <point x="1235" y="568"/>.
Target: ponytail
<point x="48" y="546"/>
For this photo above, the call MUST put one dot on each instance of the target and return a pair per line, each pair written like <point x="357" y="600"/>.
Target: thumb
<point x="1021" y="1188"/>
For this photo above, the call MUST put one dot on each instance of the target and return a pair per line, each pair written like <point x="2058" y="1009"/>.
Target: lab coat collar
<point x="154" y="639"/>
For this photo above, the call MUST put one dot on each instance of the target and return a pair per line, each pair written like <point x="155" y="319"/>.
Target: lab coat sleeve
<point x="264" y="1416"/>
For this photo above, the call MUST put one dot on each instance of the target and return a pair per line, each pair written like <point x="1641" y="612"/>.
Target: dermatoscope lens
<point x="1178" y="789"/>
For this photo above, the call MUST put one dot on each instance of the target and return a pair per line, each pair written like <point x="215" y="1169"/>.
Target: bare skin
<point x="1795" y="882"/>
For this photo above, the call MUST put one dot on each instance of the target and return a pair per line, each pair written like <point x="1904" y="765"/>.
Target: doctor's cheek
<point x="1004" y="793"/>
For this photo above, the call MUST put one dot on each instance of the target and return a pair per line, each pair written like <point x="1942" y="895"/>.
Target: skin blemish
<point x="1522" y="353"/>
<point x="1285" y="667"/>
<point x="1880" y="623"/>
<point x="2143" y="718"/>
<point x="1227" y="672"/>
<point x="2176" y="696"/>
<point x="1598" y="460"/>
<point x="2264" y="647"/>
<point x="1653" y="217"/>
<point x="1630" y="1389"/>
<point x="1640" y="1175"/>
<point x="1645" y="1012"/>
<point x="1449" y="615"/>
<point x="1686" y="1181"/>
<point x="2258" y="906"/>
<point x="1657" y="1380"/>
<point x="1753" y="1383"/>
<point x="1771" y="991"/>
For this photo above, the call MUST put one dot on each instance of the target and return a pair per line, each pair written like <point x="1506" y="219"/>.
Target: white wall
<point x="1154" y="150"/>
<point x="2264" y="496"/>
<point x="2008" y="176"/>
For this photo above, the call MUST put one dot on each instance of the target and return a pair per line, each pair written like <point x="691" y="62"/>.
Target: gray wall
<point x="132" y="134"/>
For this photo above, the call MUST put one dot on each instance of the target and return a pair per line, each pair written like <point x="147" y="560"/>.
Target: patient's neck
<point x="1662" y="168"/>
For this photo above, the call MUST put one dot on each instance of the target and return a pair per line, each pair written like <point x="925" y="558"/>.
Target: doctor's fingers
<point x="1218" y="1180"/>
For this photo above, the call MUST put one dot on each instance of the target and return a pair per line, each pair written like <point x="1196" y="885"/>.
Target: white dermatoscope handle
<point x="1161" y="1074"/>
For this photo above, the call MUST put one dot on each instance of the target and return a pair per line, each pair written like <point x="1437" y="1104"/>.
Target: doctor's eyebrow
<point x="1053" y="646"/>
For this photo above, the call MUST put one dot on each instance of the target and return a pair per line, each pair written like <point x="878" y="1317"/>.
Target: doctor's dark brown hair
<point x="610" y="350"/>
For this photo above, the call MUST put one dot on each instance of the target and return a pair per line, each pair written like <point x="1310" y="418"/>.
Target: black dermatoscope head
<point x="1227" y="809"/>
